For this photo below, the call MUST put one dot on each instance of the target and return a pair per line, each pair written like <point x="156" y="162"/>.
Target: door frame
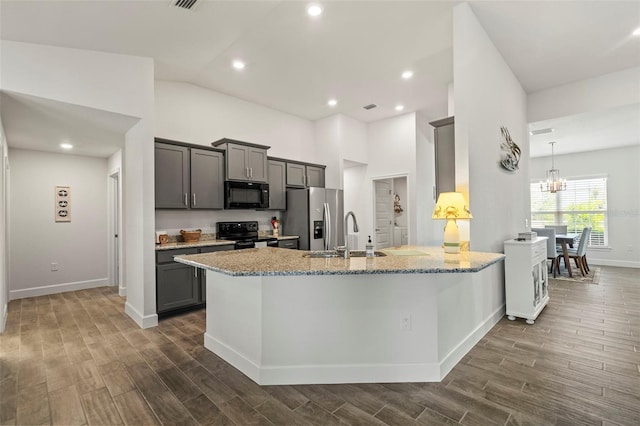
<point x="373" y="199"/>
<point x="115" y="228"/>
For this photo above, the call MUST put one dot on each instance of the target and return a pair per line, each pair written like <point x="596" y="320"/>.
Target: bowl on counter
<point x="191" y="236"/>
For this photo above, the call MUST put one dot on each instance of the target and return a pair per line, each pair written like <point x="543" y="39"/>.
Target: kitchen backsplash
<point x="172" y="221"/>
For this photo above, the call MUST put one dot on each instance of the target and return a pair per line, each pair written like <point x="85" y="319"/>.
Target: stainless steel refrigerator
<point x="316" y="215"/>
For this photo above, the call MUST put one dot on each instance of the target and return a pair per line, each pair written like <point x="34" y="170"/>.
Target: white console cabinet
<point x="526" y="278"/>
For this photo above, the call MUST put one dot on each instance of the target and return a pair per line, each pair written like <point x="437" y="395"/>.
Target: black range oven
<point x="245" y="234"/>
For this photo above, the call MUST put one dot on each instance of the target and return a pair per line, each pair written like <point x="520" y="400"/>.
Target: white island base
<point x="362" y="328"/>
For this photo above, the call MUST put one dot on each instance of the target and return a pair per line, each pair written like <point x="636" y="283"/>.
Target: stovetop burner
<point x="244" y="233"/>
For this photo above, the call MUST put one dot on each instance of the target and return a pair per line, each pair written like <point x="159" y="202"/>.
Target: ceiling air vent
<point x="184" y="4"/>
<point x="370" y="106"/>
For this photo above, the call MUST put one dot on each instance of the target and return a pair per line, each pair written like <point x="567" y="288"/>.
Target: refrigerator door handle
<point x="327" y="227"/>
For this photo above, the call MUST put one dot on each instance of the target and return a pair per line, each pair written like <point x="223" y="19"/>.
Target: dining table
<point x="566" y="241"/>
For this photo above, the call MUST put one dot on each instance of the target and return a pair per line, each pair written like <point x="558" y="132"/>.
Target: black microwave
<point x="246" y="195"/>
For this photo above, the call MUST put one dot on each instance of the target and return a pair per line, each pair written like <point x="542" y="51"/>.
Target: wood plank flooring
<point x="76" y="358"/>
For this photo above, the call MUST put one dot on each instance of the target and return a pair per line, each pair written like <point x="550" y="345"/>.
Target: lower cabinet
<point x="526" y="278"/>
<point x="180" y="287"/>
<point x="289" y="244"/>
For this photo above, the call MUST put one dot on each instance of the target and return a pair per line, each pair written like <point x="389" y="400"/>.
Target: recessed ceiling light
<point x="314" y="10"/>
<point x="399" y="107"/>
<point x="636" y="32"/>
<point x="332" y="102"/>
<point x="238" y="64"/>
<point x="66" y="146"/>
<point x="407" y="74"/>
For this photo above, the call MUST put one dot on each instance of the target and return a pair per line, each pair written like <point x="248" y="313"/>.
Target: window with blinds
<point x="583" y="203"/>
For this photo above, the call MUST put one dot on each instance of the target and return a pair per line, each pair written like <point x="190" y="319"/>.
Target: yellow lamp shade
<point x="451" y="206"/>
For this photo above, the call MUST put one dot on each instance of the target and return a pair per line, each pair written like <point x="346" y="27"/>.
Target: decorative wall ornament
<point x="62" y="207"/>
<point x="511" y="157"/>
<point x="397" y="208"/>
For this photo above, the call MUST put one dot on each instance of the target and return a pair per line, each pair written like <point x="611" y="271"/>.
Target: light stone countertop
<point x="278" y="261"/>
<point x="206" y="243"/>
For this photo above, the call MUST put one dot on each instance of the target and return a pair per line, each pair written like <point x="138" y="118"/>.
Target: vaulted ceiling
<point x="354" y="52"/>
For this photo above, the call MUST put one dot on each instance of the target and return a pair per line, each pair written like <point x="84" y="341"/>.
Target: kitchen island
<point x="282" y="318"/>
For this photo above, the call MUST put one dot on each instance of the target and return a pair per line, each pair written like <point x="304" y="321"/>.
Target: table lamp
<point x="451" y="206"/>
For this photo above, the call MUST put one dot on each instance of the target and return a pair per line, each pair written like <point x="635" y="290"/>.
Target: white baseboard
<point x="452" y="358"/>
<point x="142" y="321"/>
<point x="618" y="263"/>
<point x="323" y="374"/>
<point x="57" y="288"/>
<point x="122" y="291"/>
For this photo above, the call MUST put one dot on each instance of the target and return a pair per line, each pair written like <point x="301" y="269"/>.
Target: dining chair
<point x="579" y="254"/>
<point x="552" y="250"/>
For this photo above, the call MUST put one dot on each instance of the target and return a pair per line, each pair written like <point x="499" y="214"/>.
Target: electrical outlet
<point x="406" y="323"/>
<point x="526" y="223"/>
<point x="54" y="266"/>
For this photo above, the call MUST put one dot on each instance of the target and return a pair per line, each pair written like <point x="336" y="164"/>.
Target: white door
<point x="383" y="213"/>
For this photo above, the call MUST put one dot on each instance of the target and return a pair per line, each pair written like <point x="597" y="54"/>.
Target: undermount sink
<point x="325" y="254"/>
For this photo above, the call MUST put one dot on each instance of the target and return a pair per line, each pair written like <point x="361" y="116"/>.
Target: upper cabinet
<point x="277" y="185"/>
<point x="207" y="179"/>
<point x="300" y="175"/>
<point x="445" y="154"/>
<point x="172" y="176"/>
<point x="188" y="177"/>
<point x="244" y="161"/>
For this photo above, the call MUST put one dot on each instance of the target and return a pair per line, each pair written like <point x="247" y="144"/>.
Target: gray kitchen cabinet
<point x="315" y="176"/>
<point x="244" y="161"/>
<point x="180" y="287"/>
<point x="445" y="155"/>
<point x="207" y="179"/>
<point x="300" y="175"/>
<point x="171" y="176"/>
<point x="177" y="285"/>
<point x="289" y="244"/>
<point x="187" y="177"/>
<point x="277" y="185"/>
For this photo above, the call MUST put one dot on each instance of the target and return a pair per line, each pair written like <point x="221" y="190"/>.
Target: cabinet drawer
<point x="538" y="253"/>
<point x="211" y="249"/>
<point x="166" y="256"/>
<point x="289" y="244"/>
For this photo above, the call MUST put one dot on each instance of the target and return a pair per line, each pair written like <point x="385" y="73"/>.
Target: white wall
<point x="598" y="93"/>
<point x="78" y="247"/>
<point x="392" y="152"/>
<point x="355" y="199"/>
<point x="623" y="198"/>
<point x="116" y="83"/>
<point x="428" y="232"/>
<point x="487" y="96"/>
<point x="4" y="256"/>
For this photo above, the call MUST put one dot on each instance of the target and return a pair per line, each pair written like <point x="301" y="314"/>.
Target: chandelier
<point x="553" y="183"/>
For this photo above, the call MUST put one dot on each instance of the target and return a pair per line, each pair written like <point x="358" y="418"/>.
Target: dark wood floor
<point x="76" y="358"/>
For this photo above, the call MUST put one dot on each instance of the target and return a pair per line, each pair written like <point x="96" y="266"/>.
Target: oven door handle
<point x="245" y="244"/>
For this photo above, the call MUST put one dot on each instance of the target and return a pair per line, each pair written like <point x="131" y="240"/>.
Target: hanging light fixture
<point x="553" y="183"/>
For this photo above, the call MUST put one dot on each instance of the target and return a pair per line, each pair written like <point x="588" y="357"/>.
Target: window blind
<point x="582" y="204"/>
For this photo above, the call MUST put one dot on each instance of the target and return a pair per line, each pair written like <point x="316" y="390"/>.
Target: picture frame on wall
<point x="62" y="207"/>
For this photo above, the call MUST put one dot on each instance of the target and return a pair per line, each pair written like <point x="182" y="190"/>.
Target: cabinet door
<point x="296" y="174"/>
<point x="171" y="176"/>
<point x="177" y="286"/>
<point x="315" y="176"/>
<point x="277" y="187"/>
<point x="237" y="162"/>
<point x="445" y="161"/>
<point x="257" y="159"/>
<point x="207" y="179"/>
<point x="289" y="244"/>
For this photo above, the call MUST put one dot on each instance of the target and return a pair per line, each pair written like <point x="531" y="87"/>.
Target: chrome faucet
<point x="346" y="232"/>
